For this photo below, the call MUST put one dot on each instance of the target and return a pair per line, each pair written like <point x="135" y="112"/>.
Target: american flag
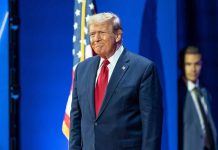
<point x="81" y="48"/>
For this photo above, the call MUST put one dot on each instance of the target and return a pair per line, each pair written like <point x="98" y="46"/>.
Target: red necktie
<point x="101" y="86"/>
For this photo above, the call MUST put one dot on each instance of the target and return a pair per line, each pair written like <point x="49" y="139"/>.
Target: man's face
<point x="192" y="64"/>
<point x="103" y="40"/>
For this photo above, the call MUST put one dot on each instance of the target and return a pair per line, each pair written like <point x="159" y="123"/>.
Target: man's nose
<point x="97" y="36"/>
<point x="194" y="68"/>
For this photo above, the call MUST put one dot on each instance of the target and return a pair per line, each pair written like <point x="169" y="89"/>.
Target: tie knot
<point x="105" y="62"/>
<point x="197" y="91"/>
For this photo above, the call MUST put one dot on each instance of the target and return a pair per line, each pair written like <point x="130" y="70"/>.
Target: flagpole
<point x="82" y="44"/>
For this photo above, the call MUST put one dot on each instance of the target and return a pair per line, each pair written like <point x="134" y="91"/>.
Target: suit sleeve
<point x="75" y="119"/>
<point x="150" y="99"/>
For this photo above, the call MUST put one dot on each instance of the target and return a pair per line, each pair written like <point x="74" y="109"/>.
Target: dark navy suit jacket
<point x="190" y="132"/>
<point x="131" y="113"/>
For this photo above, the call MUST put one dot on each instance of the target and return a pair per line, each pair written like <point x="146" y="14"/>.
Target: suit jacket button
<point x="96" y="124"/>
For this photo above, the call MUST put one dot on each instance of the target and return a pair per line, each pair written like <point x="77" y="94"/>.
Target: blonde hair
<point x="104" y="17"/>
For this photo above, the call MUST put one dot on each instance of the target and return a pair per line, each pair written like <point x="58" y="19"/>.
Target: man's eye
<point x="103" y="32"/>
<point x="92" y="34"/>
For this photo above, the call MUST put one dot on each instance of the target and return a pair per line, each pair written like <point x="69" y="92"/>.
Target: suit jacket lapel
<point x="204" y="94"/>
<point x="210" y="118"/>
<point x="118" y="72"/>
<point x="91" y="88"/>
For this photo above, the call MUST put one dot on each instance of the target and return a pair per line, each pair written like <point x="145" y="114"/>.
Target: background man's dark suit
<point x="131" y="113"/>
<point x="189" y="123"/>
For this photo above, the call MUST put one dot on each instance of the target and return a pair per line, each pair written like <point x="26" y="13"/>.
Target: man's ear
<point x="118" y="36"/>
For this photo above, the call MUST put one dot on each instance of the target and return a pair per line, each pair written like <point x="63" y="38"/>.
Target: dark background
<point x="198" y="25"/>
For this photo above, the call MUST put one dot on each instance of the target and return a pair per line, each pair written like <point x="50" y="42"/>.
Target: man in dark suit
<point x="117" y="99"/>
<point x="196" y="126"/>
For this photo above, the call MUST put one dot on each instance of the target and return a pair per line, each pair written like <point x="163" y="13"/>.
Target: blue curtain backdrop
<point x="46" y="60"/>
<point x="198" y="25"/>
<point x="45" y="71"/>
<point x="4" y="79"/>
<point x="152" y="45"/>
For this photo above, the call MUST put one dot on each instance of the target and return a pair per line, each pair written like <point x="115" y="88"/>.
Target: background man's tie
<point x="101" y="86"/>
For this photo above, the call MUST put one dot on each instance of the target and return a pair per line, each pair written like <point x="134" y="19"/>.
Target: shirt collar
<point x="114" y="58"/>
<point x="192" y="85"/>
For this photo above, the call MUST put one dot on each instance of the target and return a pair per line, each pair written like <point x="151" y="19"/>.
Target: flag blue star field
<point x="81" y="48"/>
